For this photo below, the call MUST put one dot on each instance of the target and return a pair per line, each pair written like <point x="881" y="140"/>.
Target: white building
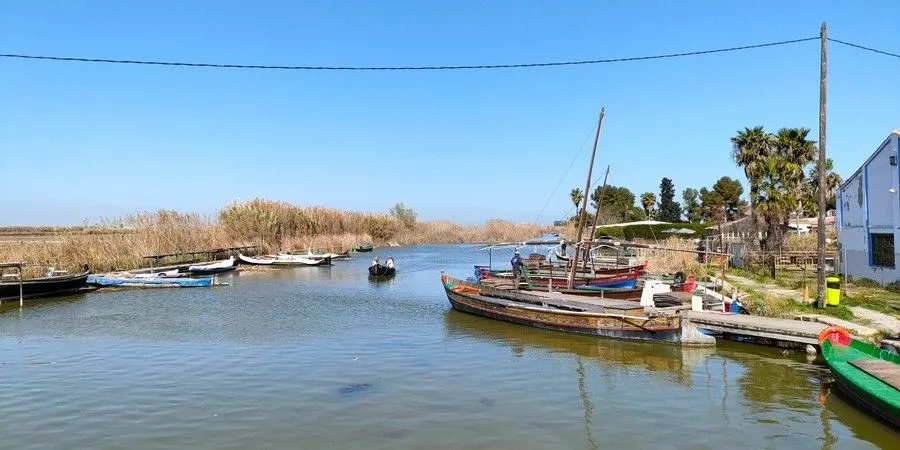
<point x="869" y="216"/>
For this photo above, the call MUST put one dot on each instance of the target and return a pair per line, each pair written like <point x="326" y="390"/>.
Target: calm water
<point x="323" y="358"/>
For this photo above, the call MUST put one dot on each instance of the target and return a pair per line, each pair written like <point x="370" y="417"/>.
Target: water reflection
<point x="675" y="362"/>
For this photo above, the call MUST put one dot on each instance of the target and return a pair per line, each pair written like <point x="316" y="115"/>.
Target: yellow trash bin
<point x="832" y="291"/>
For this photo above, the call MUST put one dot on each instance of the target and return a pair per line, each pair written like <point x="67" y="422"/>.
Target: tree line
<point x="782" y="180"/>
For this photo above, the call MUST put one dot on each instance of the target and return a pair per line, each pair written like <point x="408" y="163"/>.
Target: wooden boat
<point x="224" y="265"/>
<point x="592" y="291"/>
<point x="283" y="259"/>
<point x="173" y="273"/>
<point x="334" y="256"/>
<point x="382" y="271"/>
<point x="128" y="280"/>
<point x="626" y="280"/>
<point x="867" y="374"/>
<point x="363" y="248"/>
<point x="49" y="286"/>
<point x="485" y="271"/>
<point x="609" y="318"/>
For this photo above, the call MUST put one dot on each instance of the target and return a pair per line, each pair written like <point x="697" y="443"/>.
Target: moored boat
<point x="867" y="374"/>
<point x="129" y="280"/>
<point x="49" y="286"/>
<point x="609" y="318"/>
<point x="224" y="265"/>
<point x="312" y="255"/>
<point x="284" y="259"/>
<point x="363" y="248"/>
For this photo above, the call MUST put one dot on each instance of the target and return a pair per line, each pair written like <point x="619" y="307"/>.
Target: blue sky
<point x="85" y="141"/>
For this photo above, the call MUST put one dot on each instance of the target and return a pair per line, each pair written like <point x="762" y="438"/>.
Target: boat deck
<point x="589" y="302"/>
<point x="885" y="371"/>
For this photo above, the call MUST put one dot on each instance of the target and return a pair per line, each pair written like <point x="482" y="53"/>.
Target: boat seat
<point x="885" y="371"/>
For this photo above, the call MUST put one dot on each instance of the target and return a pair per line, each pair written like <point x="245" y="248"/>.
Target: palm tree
<point x="576" y="196"/>
<point x="648" y="201"/>
<point x="793" y="146"/>
<point x="776" y="196"/>
<point x="749" y="147"/>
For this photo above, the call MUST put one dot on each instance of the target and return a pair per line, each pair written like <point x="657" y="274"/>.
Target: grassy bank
<point x="786" y="301"/>
<point x="272" y="226"/>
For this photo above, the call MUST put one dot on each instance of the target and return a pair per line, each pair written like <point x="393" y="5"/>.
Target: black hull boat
<point x="51" y="286"/>
<point x="380" y="271"/>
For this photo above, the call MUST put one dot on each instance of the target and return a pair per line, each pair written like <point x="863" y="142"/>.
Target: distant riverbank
<point x="271" y="226"/>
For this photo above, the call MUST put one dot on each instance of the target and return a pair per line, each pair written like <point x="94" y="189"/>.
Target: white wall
<point x="867" y="206"/>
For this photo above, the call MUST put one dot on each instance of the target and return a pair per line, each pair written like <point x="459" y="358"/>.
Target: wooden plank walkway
<point x="785" y="330"/>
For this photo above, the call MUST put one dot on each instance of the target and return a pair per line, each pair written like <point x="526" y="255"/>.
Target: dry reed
<point x="271" y="226"/>
<point x="667" y="261"/>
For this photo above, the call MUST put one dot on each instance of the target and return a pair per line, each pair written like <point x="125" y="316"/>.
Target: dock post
<point x="21" y="289"/>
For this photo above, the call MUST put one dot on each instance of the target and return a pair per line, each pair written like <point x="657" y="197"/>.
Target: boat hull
<point x="382" y="271"/>
<point x="44" y="287"/>
<point x="284" y="260"/>
<point x="212" y="268"/>
<point x="642" y="328"/>
<point x="162" y="282"/>
<point x="873" y="393"/>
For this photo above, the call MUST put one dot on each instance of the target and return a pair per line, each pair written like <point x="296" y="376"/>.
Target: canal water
<point x="324" y="358"/>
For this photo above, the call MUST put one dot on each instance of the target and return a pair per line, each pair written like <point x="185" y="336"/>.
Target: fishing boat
<point x="284" y="259"/>
<point x="49" y="286"/>
<point x="546" y="269"/>
<point x="224" y="265"/>
<point x="313" y="255"/>
<point x="130" y="280"/>
<point x="867" y="374"/>
<point x="363" y="248"/>
<point x="382" y="271"/>
<point x="625" y="280"/>
<point x="597" y="317"/>
<point x="592" y="291"/>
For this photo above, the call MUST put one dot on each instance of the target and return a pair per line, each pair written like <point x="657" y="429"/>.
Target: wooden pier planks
<point x="787" y="330"/>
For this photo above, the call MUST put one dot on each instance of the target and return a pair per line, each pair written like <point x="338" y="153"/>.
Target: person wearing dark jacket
<point x="516" y="262"/>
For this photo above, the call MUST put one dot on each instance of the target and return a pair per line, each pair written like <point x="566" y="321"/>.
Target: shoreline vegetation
<point x="272" y="226"/>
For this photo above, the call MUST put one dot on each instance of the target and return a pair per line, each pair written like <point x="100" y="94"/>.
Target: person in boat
<point x="516" y="263"/>
<point x="390" y="262"/>
<point x="375" y="261"/>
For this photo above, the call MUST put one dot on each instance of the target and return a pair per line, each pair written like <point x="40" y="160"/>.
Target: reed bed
<point x="271" y="226"/>
<point x="445" y="232"/>
<point x="666" y="261"/>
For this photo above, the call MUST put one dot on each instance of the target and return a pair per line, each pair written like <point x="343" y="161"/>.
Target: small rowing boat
<point x="284" y="259"/>
<point x="870" y="376"/>
<point x="49" y="286"/>
<point x="129" y="280"/>
<point x="224" y="265"/>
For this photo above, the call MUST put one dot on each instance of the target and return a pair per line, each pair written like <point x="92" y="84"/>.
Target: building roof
<point x="628" y="224"/>
<point x="855" y="172"/>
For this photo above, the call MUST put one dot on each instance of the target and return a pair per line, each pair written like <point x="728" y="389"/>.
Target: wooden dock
<point x="781" y="331"/>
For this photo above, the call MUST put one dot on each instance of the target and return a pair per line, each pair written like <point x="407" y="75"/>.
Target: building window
<point x="882" y="249"/>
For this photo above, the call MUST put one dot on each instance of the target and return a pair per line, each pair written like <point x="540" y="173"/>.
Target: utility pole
<point x="820" y="296"/>
<point x="587" y="192"/>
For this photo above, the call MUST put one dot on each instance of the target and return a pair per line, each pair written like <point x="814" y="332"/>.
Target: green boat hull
<point x="874" y="395"/>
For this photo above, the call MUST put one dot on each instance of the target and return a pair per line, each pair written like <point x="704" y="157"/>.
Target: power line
<point x="572" y="163"/>
<point x="398" y="68"/>
<point x="895" y="55"/>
